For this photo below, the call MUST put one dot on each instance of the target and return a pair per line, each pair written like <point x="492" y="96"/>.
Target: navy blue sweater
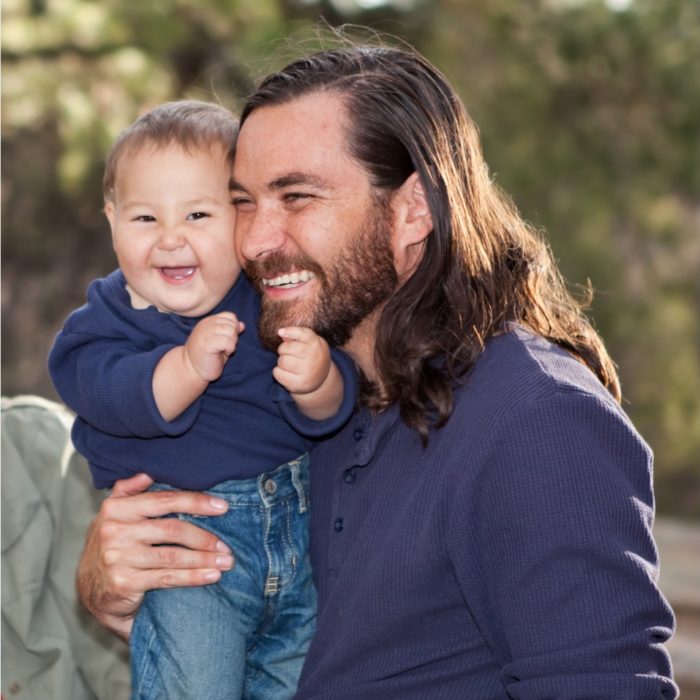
<point x="511" y="558"/>
<point x="244" y="424"/>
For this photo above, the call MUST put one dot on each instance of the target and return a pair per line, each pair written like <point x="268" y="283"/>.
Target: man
<point x="481" y="528"/>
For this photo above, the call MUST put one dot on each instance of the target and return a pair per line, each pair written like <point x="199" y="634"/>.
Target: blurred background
<point x="589" y="112"/>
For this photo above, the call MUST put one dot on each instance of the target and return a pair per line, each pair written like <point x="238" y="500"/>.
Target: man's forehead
<point x="309" y="117"/>
<point x="293" y="142"/>
<point x="319" y="105"/>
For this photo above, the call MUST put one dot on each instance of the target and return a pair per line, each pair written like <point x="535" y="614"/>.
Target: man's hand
<point x="212" y="341"/>
<point x="120" y="562"/>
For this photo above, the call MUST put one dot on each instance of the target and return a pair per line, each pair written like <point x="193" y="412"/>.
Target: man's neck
<point x="361" y="347"/>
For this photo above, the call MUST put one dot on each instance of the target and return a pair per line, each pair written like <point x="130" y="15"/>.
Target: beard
<point x="359" y="279"/>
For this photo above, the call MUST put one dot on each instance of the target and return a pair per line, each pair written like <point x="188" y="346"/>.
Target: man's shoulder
<point x="524" y="366"/>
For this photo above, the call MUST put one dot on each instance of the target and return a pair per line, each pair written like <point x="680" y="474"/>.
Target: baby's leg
<point x="191" y="643"/>
<point x="185" y="646"/>
<point x="275" y="660"/>
<point x="277" y="653"/>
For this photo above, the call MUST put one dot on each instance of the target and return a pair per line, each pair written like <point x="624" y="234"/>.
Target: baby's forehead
<point x="150" y="147"/>
<point x="150" y="162"/>
<point x="190" y="147"/>
<point x="132" y="150"/>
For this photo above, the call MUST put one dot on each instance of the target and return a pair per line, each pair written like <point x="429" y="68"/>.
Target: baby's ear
<point x="412" y="224"/>
<point x="110" y="213"/>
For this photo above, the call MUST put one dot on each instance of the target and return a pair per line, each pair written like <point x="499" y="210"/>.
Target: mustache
<point x="277" y="263"/>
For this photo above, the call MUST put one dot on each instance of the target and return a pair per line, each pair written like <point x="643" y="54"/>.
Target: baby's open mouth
<point x="177" y="273"/>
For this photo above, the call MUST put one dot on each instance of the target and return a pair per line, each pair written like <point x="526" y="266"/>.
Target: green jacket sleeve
<point x="51" y="647"/>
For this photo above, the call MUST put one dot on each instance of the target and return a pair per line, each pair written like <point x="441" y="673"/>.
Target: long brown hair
<point x="483" y="266"/>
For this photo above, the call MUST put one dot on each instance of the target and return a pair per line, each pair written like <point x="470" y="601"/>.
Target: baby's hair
<point x="190" y="124"/>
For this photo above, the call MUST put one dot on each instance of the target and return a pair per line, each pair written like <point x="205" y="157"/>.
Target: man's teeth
<point x="290" y="279"/>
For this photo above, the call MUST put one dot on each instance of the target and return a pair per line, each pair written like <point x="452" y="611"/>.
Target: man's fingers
<point x="158" y="503"/>
<point x="131" y="486"/>
<point x="129" y="585"/>
<point x="164" y="531"/>
<point x="167" y="557"/>
<point x="174" y="578"/>
<point x="130" y="549"/>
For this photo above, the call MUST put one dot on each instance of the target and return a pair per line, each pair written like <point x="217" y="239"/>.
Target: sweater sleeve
<point x="108" y="383"/>
<point x="559" y="525"/>
<point x="310" y="428"/>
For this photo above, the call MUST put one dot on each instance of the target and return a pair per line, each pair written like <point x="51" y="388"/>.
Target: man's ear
<point x="412" y="224"/>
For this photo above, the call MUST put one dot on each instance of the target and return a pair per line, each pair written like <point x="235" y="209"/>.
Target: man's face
<point x="310" y="231"/>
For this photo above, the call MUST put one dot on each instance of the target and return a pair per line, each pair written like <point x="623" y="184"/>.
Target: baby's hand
<point x="212" y="341"/>
<point x="304" y="360"/>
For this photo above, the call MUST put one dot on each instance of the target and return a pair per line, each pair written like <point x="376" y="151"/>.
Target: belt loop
<point x="294" y="468"/>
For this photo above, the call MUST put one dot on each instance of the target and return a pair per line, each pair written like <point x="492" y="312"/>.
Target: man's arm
<point x="559" y="541"/>
<point x="121" y="559"/>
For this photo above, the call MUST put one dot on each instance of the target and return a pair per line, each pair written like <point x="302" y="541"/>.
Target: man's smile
<point x="288" y="280"/>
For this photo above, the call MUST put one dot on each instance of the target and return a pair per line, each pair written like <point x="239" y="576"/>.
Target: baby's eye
<point x="196" y="215"/>
<point x="145" y="218"/>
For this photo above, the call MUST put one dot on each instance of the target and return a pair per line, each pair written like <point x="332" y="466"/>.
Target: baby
<point x="167" y="375"/>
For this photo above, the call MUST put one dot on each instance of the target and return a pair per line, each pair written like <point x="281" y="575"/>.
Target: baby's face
<point x="172" y="228"/>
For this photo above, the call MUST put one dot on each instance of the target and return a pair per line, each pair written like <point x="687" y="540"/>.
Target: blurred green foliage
<point x="590" y="118"/>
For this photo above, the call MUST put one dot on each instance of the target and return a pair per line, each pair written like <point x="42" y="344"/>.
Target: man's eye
<point x="296" y="196"/>
<point x="242" y="203"/>
<point x="297" y="200"/>
<point x="196" y="215"/>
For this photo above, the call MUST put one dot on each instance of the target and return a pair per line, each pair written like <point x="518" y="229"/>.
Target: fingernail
<point x="223" y="547"/>
<point x="218" y="504"/>
<point x="225" y="562"/>
<point x="212" y="576"/>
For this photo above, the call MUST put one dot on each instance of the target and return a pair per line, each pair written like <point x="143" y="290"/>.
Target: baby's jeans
<point x="246" y="635"/>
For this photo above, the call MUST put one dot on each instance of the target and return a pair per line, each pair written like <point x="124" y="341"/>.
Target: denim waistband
<point x="289" y="479"/>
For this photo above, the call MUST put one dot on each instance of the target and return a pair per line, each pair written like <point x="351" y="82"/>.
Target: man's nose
<point x="260" y="233"/>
